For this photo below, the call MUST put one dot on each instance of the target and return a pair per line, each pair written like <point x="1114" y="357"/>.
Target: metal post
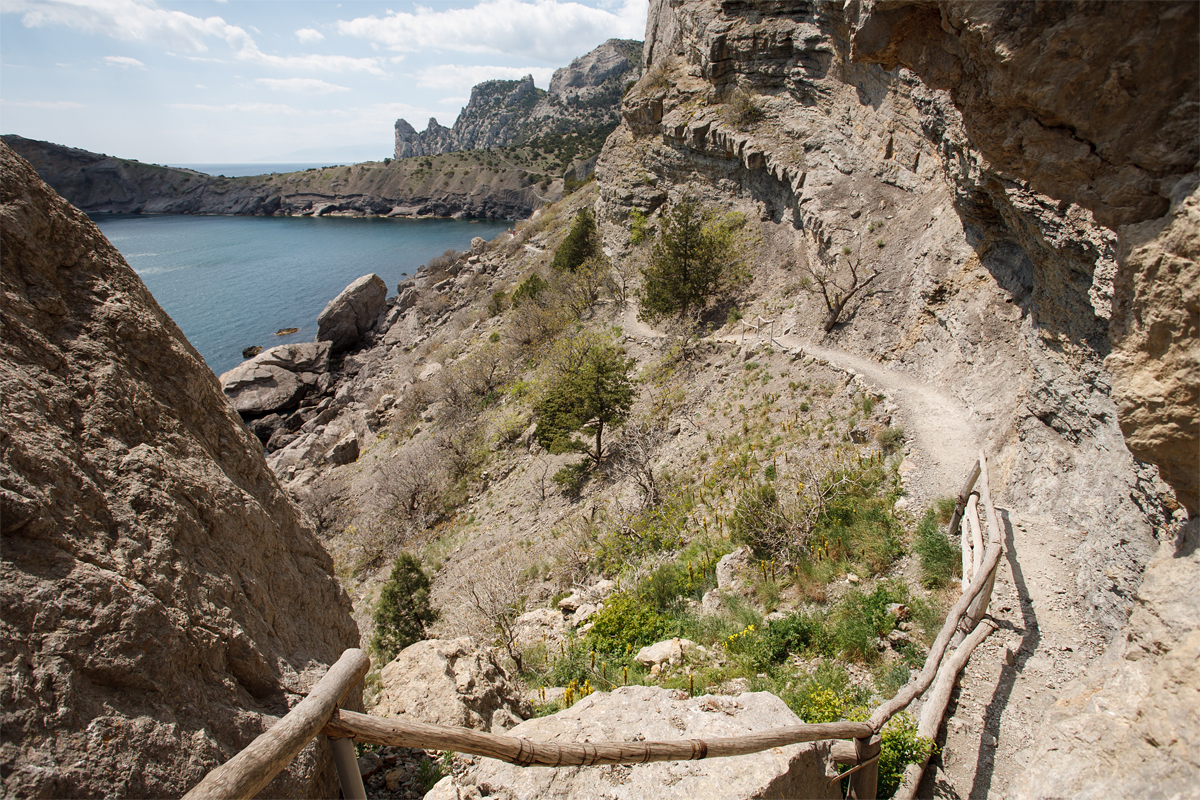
<point x="347" y="768"/>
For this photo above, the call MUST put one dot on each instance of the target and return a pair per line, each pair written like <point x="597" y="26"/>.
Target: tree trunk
<point x="599" y="431"/>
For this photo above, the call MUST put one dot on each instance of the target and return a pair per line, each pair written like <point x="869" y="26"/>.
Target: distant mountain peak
<point x="583" y="96"/>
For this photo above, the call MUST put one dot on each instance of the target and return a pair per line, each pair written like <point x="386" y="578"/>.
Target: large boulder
<point x="297" y="357"/>
<point x="255" y="388"/>
<point x="276" y="379"/>
<point x="651" y="713"/>
<point x="451" y="682"/>
<point x="352" y="313"/>
<point x="162" y="599"/>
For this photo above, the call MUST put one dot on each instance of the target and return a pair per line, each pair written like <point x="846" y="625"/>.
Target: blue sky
<point x="282" y="80"/>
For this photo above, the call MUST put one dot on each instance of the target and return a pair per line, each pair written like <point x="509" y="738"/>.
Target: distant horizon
<point x="267" y="82"/>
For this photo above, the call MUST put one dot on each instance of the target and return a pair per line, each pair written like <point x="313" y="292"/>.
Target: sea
<point x="233" y="282"/>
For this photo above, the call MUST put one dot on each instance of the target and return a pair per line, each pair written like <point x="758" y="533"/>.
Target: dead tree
<point x="836" y="297"/>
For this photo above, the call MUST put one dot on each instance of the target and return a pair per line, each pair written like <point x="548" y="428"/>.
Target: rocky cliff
<point x="1023" y="178"/>
<point x="162" y="599"/>
<point x="584" y="97"/>
<point x="443" y="186"/>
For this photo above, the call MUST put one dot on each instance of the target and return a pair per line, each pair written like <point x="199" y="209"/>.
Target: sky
<point x="204" y="81"/>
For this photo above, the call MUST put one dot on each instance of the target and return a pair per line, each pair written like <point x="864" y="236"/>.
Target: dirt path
<point x="1043" y="641"/>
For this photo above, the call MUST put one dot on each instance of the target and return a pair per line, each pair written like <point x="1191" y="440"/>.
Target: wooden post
<point x="244" y="775"/>
<point x="972" y="516"/>
<point x="961" y="500"/>
<point x="864" y="784"/>
<point x="965" y="551"/>
<point x="935" y="706"/>
<point x="347" y="768"/>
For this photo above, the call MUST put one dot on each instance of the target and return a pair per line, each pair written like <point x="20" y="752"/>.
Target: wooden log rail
<point x="254" y="767"/>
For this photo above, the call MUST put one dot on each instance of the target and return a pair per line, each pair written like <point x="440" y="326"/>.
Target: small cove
<point x="232" y="282"/>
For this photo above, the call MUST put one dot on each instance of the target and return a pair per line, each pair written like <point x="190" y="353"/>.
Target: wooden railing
<point x="253" y="768"/>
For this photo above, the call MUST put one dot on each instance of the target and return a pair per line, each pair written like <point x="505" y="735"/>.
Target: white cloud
<point x="307" y="85"/>
<point x="462" y="78"/>
<point x="48" y="104"/>
<point x="550" y="30"/>
<point x="309" y="35"/>
<point x="254" y="108"/>
<point x="144" y="21"/>
<point x="123" y="61"/>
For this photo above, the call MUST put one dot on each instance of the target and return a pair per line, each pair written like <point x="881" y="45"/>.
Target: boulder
<point x="299" y="357"/>
<point x="451" y="682"/>
<point x="650" y="713"/>
<point x="162" y="598"/>
<point x="255" y="388"/>
<point x="730" y="567"/>
<point x="344" y="451"/>
<point x="478" y="244"/>
<point x="671" y="651"/>
<point x="540" y="625"/>
<point x="352" y="313"/>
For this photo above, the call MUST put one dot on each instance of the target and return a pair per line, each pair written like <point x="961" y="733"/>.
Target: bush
<point x="941" y="558"/>
<point x="694" y="260"/>
<point x="743" y="111"/>
<point x="860" y="619"/>
<point x="404" y="610"/>
<point x="530" y="289"/>
<point x="899" y="746"/>
<point x="627" y="623"/>
<point x="582" y="243"/>
<point x="891" y="439"/>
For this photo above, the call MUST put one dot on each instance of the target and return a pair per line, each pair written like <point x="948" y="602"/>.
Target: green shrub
<point x="496" y="304"/>
<point x="860" y="619"/>
<point x="899" y="746"/>
<point x="743" y="111"/>
<point x="573" y="477"/>
<point x="758" y="520"/>
<point x="582" y="243"/>
<point x="404" y="610"/>
<point x="941" y="558"/>
<point x="639" y="227"/>
<point x="891" y="439"/>
<point x="530" y="289"/>
<point x="628" y="622"/>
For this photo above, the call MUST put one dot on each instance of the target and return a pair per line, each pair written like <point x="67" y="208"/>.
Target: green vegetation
<point x="695" y="260"/>
<point x="582" y="243"/>
<point x="941" y="558"/>
<point x="403" y="611"/>
<point x="589" y="389"/>
<point x="743" y="111"/>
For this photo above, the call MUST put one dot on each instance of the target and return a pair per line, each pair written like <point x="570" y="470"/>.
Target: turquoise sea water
<point x="231" y="282"/>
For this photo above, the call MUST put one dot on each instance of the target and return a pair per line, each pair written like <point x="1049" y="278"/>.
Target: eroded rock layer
<point x="161" y="597"/>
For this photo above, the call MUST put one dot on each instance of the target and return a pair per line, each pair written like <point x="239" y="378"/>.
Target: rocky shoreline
<point x="97" y="183"/>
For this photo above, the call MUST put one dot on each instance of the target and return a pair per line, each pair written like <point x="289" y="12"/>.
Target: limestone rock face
<point x="1156" y="333"/>
<point x="651" y="713"/>
<point x="161" y="595"/>
<point x="1093" y="104"/>
<point x="451" y="682"/>
<point x="352" y="313"/>
<point x="1057" y="93"/>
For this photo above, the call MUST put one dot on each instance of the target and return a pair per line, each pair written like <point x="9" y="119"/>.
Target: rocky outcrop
<point x="584" y="95"/>
<point x="455" y="682"/>
<point x="1060" y="96"/>
<point x="104" y="184"/>
<point x="649" y="713"/>
<point x="352" y="313"/>
<point x="162" y="600"/>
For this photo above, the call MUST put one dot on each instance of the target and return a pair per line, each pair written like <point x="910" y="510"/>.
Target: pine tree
<point x="588" y="393"/>
<point x="582" y="243"/>
<point x="404" y="610"/>
<point x="693" y="260"/>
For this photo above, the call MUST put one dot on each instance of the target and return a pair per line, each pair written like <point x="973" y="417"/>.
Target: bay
<point x="232" y="282"/>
